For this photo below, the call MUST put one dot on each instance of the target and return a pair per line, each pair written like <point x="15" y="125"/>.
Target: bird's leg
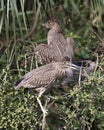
<point x="43" y="110"/>
<point x="44" y="113"/>
<point x="44" y="116"/>
<point x="40" y="104"/>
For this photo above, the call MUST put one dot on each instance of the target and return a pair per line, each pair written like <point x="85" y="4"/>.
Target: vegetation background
<point x="76" y="107"/>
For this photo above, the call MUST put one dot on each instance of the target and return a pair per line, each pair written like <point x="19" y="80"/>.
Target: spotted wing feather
<point x="41" y="77"/>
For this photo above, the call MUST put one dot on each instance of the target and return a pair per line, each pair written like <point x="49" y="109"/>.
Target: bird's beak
<point x="73" y="66"/>
<point x="44" y="25"/>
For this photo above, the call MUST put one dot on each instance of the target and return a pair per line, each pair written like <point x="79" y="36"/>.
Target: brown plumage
<point x="46" y="53"/>
<point x="69" y="48"/>
<point x="43" y="77"/>
<point x="58" y="42"/>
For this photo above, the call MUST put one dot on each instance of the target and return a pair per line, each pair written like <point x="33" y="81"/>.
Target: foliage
<point x="76" y="107"/>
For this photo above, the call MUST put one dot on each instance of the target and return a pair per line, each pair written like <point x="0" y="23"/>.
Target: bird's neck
<point x="52" y="32"/>
<point x="60" y="72"/>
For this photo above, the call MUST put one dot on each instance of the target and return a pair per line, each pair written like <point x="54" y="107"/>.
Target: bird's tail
<point x="17" y="85"/>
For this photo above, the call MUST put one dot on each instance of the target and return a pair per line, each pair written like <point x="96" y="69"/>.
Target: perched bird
<point x="43" y="77"/>
<point x="58" y="42"/>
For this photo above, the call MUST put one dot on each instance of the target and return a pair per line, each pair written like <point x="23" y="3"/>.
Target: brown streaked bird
<point x="57" y="41"/>
<point x="43" y="77"/>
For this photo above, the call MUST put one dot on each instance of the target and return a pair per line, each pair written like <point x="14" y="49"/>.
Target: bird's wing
<point x="43" y="53"/>
<point x="36" y="74"/>
<point x="39" y="70"/>
<point x="69" y="48"/>
<point x="48" y="53"/>
<point x="37" y="78"/>
<point x="66" y="46"/>
<point x="59" y="39"/>
<point x="41" y="80"/>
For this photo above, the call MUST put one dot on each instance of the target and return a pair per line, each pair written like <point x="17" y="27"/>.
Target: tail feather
<point x="17" y="84"/>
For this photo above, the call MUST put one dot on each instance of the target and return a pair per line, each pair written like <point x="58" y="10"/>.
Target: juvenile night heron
<point x="58" y="42"/>
<point x="43" y="77"/>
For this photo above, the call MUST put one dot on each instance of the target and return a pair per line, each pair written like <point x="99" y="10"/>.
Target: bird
<point x="43" y="77"/>
<point x="57" y="41"/>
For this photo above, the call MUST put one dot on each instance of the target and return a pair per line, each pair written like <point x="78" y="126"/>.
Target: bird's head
<point x="71" y="65"/>
<point x="52" y="24"/>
